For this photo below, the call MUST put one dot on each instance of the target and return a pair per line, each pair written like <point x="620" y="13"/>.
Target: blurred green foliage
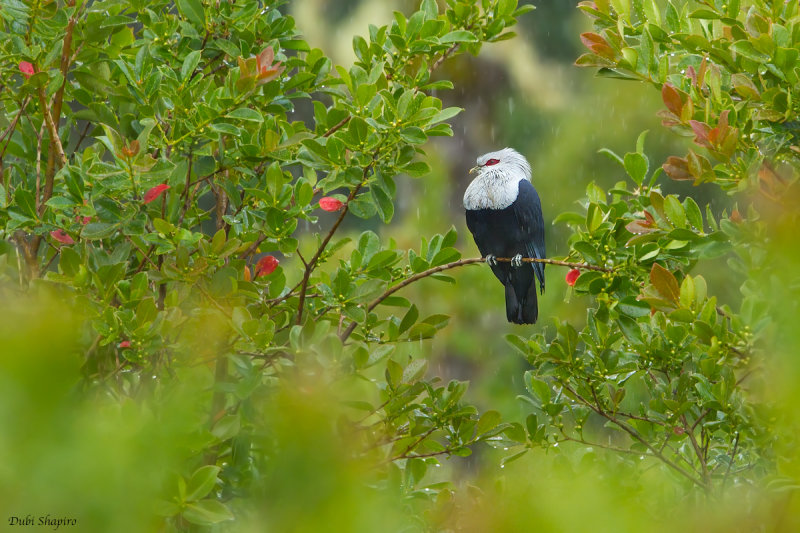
<point x="198" y="337"/>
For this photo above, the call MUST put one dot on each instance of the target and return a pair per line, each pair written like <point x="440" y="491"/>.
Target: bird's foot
<point x="491" y="259"/>
<point x="516" y="261"/>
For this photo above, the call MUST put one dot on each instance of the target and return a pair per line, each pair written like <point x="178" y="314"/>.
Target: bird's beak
<point x="473" y="170"/>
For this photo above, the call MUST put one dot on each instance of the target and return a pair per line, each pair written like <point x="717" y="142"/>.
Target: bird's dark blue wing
<point x="528" y="210"/>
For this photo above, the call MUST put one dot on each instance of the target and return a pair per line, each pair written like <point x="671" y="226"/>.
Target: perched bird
<point x="504" y="214"/>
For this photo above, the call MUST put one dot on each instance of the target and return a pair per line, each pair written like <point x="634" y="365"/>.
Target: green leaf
<point x="746" y="49"/>
<point x="693" y="213"/>
<point x="488" y="421"/>
<point x="636" y="165"/>
<point x="201" y="482"/>
<point x="446" y="114"/>
<point x="633" y="307"/>
<point x="417" y="169"/>
<point x="413" y="135"/>
<point x="25" y="202"/>
<point x="224" y="127"/>
<point x="245" y="113"/>
<point x="415" y="370"/>
<point x="611" y="155"/>
<point x="409" y="319"/>
<point x="98" y="230"/>
<point x="459" y="36"/>
<point x="674" y="211"/>
<point x="207" y="513"/>
<point x="505" y="8"/>
<point x="537" y="387"/>
<point x="630" y="328"/>
<point x="189" y="64"/>
<point x="193" y="11"/>
<point x="383" y="203"/>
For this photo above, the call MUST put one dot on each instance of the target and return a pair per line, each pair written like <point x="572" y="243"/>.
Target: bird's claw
<point x="516" y="261"/>
<point x="491" y="259"/>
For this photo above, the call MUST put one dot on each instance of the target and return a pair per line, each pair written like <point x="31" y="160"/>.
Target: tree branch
<point x="313" y="261"/>
<point x="461" y="262"/>
<point x="447" y="53"/>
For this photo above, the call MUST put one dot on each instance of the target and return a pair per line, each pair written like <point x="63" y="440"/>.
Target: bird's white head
<point x="504" y="164"/>
<point x="497" y="184"/>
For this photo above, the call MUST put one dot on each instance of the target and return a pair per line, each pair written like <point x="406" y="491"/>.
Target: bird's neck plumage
<point x="493" y="190"/>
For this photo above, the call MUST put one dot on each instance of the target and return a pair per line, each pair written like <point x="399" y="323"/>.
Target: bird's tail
<point x="523" y="310"/>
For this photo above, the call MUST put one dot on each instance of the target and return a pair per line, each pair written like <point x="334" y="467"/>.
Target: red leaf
<point x="701" y="131"/>
<point x="572" y="277"/>
<point x="61" y="236"/>
<point x="154" y="193"/>
<point x="677" y="168"/>
<point x="588" y="39"/>
<point x="246" y="275"/>
<point x="125" y="344"/>
<point x="83" y="220"/>
<point x="665" y="283"/>
<point x="672" y="98"/>
<point x="692" y="74"/>
<point x="266" y="266"/>
<point x="26" y="69"/>
<point x="639" y="227"/>
<point x="265" y="69"/>
<point x="329" y="203"/>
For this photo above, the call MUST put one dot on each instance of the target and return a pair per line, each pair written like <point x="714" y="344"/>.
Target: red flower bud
<point x="329" y="203"/>
<point x="26" y="69"/>
<point x="61" y="236"/>
<point x="266" y="266"/>
<point x="154" y="193"/>
<point x="572" y="277"/>
<point x="125" y="344"/>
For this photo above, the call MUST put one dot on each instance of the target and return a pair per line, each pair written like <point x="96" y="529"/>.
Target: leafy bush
<point x="160" y="164"/>
<point x="661" y="371"/>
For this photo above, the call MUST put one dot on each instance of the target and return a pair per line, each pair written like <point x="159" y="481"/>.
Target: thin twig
<point x="697" y="450"/>
<point x="13" y="124"/>
<point x="337" y="126"/>
<point x="253" y="247"/>
<point x="733" y="458"/>
<point x="635" y="434"/>
<point x="145" y="255"/>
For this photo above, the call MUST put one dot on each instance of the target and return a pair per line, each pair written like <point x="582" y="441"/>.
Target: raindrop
<point x="555" y="445"/>
<point x="504" y="449"/>
<point x="502" y="466"/>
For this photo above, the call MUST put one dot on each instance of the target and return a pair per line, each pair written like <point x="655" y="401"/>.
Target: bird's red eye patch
<point x="491" y="162"/>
